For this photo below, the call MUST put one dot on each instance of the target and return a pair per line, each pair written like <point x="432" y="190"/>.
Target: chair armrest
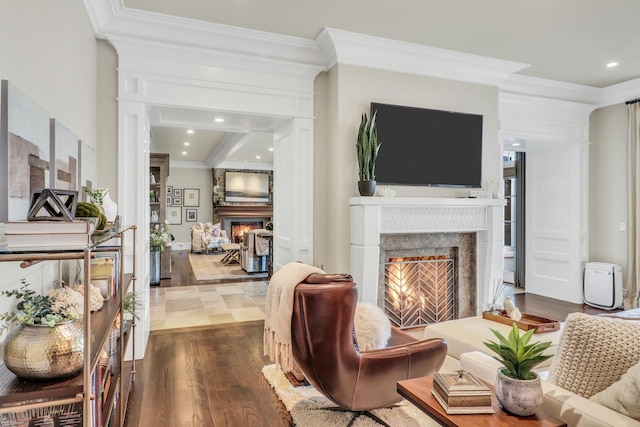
<point x="419" y="357"/>
<point x="400" y="337"/>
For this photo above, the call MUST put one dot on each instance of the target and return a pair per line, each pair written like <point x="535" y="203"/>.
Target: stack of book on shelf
<point x="461" y="392"/>
<point x="26" y="235"/>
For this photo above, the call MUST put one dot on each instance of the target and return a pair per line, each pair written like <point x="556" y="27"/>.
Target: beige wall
<point x="192" y="178"/>
<point x="348" y="94"/>
<point x="107" y="125"/>
<point x="607" y="185"/>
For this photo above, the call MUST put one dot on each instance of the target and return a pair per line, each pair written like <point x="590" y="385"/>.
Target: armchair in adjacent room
<point x="325" y="349"/>
<point x="207" y="236"/>
<point x="254" y="252"/>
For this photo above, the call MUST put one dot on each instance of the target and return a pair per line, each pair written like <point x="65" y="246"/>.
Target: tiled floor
<point x="187" y="306"/>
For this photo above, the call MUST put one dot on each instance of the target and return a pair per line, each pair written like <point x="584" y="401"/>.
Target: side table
<point x="418" y="392"/>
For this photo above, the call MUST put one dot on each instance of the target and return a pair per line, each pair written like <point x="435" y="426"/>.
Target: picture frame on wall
<point x="169" y="201"/>
<point x="169" y="190"/>
<point x="177" y="192"/>
<point x="191" y="197"/>
<point x="177" y="201"/>
<point x="192" y="215"/>
<point x="174" y="215"/>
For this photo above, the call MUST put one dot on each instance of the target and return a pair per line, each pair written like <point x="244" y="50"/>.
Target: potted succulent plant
<point x="367" y="148"/>
<point x="517" y="387"/>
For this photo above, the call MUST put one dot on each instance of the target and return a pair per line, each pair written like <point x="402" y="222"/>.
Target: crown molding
<point x="162" y="36"/>
<point x="551" y="89"/>
<point x="188" y="165"/>
<point x="619" y="93"/>
<point x="343" y="47"/>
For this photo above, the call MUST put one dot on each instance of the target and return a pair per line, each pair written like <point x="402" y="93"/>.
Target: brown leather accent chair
<point x="325" y="349"/>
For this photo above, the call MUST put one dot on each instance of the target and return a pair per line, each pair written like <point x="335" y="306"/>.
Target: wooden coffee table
<point x="418" y="392"/>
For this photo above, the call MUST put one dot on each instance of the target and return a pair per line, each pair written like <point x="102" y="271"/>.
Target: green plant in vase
<point x="518" y="387"/>
<point x="45" y="340"/>
<point x="367" y="148"/>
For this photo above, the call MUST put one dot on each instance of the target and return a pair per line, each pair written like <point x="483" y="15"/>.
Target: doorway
<point x="514" y="220"/>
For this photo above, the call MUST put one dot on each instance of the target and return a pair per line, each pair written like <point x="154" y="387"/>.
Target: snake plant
<point x="367" y="148"/>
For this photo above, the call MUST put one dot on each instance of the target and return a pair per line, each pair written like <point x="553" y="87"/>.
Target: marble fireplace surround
<point x="445" y="218"/>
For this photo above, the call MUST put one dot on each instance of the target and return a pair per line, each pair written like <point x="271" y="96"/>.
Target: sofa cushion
<point x="624" y="395"/>
<point x="594" y="352"/>
<point x="470" y="333"/>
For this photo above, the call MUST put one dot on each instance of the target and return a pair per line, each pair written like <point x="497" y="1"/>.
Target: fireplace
<point x="466" y="231"/>
<point x="238" y="228"/>
<point x="419" y="290"/>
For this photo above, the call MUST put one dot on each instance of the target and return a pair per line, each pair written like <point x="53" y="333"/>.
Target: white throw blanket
<point x="278" y="311"/>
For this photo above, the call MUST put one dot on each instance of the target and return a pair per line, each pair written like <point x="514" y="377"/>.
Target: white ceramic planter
<point x="520" y="397"/>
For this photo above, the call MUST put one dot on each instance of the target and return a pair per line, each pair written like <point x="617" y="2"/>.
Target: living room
<point x="103" y="88"/>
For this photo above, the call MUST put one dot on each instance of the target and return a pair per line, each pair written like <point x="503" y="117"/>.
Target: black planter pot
<point x="367" y="188"/>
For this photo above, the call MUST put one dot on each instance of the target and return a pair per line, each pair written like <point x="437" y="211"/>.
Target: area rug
<point x="210" y="267"/>
<point x="305" y="406"/>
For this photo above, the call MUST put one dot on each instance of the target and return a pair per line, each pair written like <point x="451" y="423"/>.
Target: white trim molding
<point x="345" y="47"/>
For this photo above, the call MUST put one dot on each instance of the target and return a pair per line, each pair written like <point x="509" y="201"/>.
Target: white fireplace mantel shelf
<point x="373" y="216"/>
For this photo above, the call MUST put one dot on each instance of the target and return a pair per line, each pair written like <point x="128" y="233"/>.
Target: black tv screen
<point x="428" y="147"/>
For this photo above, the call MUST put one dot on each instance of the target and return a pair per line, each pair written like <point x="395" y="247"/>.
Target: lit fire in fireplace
<point x="419" y="290"/>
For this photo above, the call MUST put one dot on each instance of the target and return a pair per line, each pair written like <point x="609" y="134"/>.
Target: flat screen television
<point x="428" y="147"/>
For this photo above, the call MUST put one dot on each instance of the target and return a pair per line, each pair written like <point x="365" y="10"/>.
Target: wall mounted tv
<point x="428" y="147"/>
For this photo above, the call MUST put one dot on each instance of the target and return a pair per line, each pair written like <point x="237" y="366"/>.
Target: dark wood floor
<point x="211" y="376"/>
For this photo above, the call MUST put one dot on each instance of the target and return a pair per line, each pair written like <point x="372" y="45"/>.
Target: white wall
<point x="350" y="91"/>
<point x="201" y="179"/>
<point x="48" y="50"/>
<point x="608" y="185"/>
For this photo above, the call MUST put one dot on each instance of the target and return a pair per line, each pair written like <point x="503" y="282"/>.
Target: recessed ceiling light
<point x="257" y="157"/>
<point x="218" y="120"/>
<point x="186" y="144"/>
<point x="184" y="153"/>
<point x="612" y="64"/>
<point x="270" y="148"/>
<point x="515" y="144"/>
<point x="189" y="130"/>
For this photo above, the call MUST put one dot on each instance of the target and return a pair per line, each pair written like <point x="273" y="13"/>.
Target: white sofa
<point x="465" y="339"/>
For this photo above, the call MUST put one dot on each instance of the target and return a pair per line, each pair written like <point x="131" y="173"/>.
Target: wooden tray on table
<point x="528" y="321"/>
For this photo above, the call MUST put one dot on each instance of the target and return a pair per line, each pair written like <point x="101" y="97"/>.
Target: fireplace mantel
<point x="373" y="216"/>
<point x="245" y="211"/>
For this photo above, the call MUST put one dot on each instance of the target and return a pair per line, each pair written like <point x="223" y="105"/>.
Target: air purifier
<point x="602" y="285"/>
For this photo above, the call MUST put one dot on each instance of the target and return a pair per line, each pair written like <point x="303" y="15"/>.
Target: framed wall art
<point x="174" y="215"/>
<point x="177" y="201"/>
<point x="246" y="187"/>
<point x="169" y="201"/>
<point x="191" y="197"/>
<point x="177" y="192"/>
<point x="192" y="215"/>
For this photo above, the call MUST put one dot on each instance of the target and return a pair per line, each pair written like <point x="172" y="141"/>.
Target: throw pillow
<point x="216" y="230"/>
<point x="372" y="327"/>
<point x="594" y="352"/>
<point x="623" y="396"/>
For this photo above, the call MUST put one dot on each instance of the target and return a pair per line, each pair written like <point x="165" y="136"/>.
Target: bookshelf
<point x="21" y="399"/>
<point x="159" y="169"/>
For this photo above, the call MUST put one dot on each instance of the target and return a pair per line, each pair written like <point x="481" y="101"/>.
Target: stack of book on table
<point x="27" y="235"/>
<point x="461" y="392"/>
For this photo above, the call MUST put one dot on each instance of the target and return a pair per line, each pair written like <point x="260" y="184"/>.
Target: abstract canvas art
<point x="25" y="155"/>
<point x="64" y="152"/>
<point x="88" y="176"/>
